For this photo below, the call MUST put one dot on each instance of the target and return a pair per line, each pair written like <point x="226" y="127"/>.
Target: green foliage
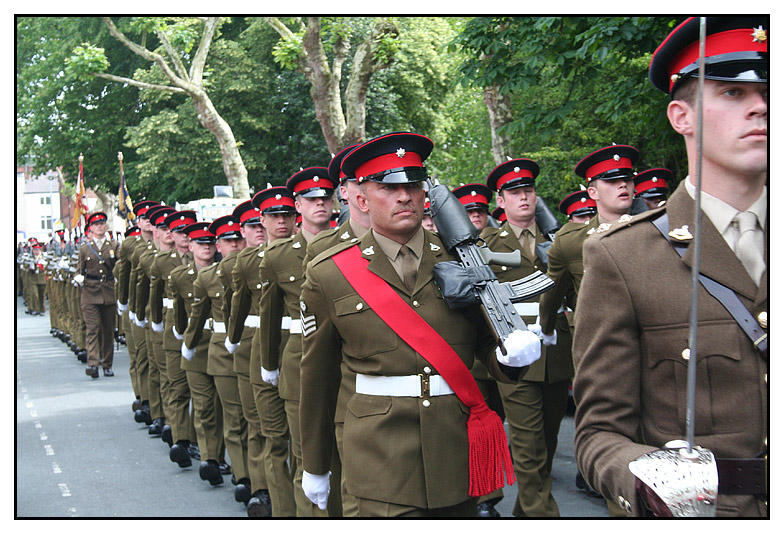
<point x="86" y="61"/>
<point x="288" y="51"/>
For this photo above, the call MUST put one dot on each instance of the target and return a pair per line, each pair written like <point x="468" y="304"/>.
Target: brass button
<point x="292" y="278"/>
<point x="258" y="286"/>
<point x="427" y="370"/>
<point x="416" y="304"/>
<point x="359" y="306"/>
<point x="686" y="354"/>
<point x="503" y="267"/>
<point x="190" y="294"/>
<point x="426" y="403"/>
<point x="763" y="319"/>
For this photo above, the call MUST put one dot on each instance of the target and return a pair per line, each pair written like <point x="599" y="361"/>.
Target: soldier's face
<point x="478" y="218"/>
<point x="278" y="225"/>
<point x="314" y="210"/>
<point x="144" y="225"/>
<point x="614" y="196"/>
<point x="395" y="210"/>
<point x="165" y="236"/>
<point x="349" y="190"/>
<point x="580" y="218"/>
<point x="254" y="234"/>
<point x="428" y="224"/>
<point x="518" y="203"/>
<point x="227" y="246"/>
<point x="203" y="252"/>
<point x="98" y="229"/>
<point x="181" y="240"/>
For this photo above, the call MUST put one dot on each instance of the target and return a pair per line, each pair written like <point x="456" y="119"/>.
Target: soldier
<point x="578" y="207"/>
<point x="206" y="412"/>
<point x="36" y="280"/>
<point x="163" y="241"/>
<point x="427" y="217"/>
<point x="535" y="404"/>
<point x="632" y="330"/>
<point x="209" y="310"/>
<point x="651" y="186"/>
<point x="96" y="261"/>
<point x="356" y="225"/>
<point x="405" y="444"/>
<point x="476" y="199"/>
<point x="281" y="278"/>
<point x="142" y="414"/>
<point x="174" y="383"/>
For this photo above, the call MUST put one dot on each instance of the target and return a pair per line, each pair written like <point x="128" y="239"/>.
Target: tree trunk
<point x="233" y="166"/>
<point x="500" y="111"/>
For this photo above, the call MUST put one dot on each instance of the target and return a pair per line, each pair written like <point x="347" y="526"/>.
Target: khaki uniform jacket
<point x="144" y="281"/>
<point x="403" y="450"/>
<point x="281" y="277"/>
<point x="631" y="327"/>
<point x="555" y="365"/>
<point x="565" y="268"/>
<point x="209" y="298"/>
<point x="124" y="254"/>
<point x="135" y="270"/>
<point x="224" y="274"/>
<point x="181" y="288"/>
<point x="246" y="287"/>
<point x="97" y="291"/>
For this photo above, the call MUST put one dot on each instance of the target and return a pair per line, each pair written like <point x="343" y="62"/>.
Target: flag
<point x="124" y="205"/>
<point x="81" y="203"/>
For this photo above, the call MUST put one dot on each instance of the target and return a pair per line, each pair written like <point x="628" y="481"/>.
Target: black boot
<point x="179" y="453"/>
<point x="260" y="505"/>
<point x="143" y="415"/>
<point x="242" y="491"/>
<point x="210" y="471"/>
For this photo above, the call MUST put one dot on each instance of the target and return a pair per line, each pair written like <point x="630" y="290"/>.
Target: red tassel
<point x="488" y="453"/>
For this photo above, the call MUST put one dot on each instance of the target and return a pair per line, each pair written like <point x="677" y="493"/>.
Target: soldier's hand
<point x="121" y="307"/>
<point x="231" y="347"/>
<point x="550" y="339"/>
<point x="270" y="377"/>
<point x="157" y="327"/>
<point x="187" y="353"/>
<point x="522" y="348"/>
<point x="176" y="334"/>
<point x="316" y="488"/>
<point x="78" y="280"/>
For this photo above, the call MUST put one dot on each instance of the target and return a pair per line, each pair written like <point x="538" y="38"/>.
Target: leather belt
<point x="403" y="386"/>
<point x="208" y="324"/>
<point x="218" y="327"/>
<point x="252" y="321"/>
<point x="102" y="278"/>
<point x="296" y="326"/>
<point x="168" y="303"/>
<point x="742" y="476"/>
<point x="285" y="323"/>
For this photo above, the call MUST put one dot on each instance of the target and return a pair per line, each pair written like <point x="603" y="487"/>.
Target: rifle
<point x="472" y="280"/>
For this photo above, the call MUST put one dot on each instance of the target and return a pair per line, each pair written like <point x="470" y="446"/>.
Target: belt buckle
<point x="425" y="381"/>
<point x="103" y="278"/>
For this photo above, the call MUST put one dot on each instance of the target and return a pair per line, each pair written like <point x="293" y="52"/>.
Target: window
<point x="46" y="223"/>
<point x="46" y="201"/>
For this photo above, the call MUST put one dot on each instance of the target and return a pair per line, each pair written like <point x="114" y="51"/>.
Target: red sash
<point x="488" y="451"/>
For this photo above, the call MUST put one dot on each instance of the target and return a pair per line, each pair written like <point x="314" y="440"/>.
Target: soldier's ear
<point x="681" y="116"/>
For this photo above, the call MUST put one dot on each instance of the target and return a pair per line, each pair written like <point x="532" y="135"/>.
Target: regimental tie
<point x="750" y="245"/>
<point x="409" y="269"/>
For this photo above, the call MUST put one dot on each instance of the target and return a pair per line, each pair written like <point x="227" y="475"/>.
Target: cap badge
<point x="315" y="178"/>
<point x="625" y="218"/>
<point x="231" y="223"/>
<point x="654" y="179"/>
<point x="368" y="251"/>
<point x="296" y="245"/>
<point x="759" y="35"/>
<point x="674" y="78"/>
<point x="681" y="234"/>
<point x="473" y="193"/>
<point x="400" y="152"/>
<point x="603" y="227"/>
<point x="278" y="197"/>
<point x="616" y="157"/>
<point x="345" y="235"/>
<point x="434" y="247"/>
<point x="583" y="200"/>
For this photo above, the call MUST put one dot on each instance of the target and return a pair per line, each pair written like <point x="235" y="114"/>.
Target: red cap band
<point x="607" y="165"/>
<point x="508" y="177"/>
<point x="589" y="203"/>
<point x="474" y="199"/>
<point x="252" y="213"/>
<point x="388" y="161"/>
<point x="182" y="221"/>
<point x="201" y="232"/>
<point x="739" y="40"/>
<point x="273" y="202"/>
<point x="314" y="182"/>
<point x="230" y="226"/>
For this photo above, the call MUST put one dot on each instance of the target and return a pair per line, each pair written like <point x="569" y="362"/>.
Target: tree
<point x="176" y="39"/>
<point x="306" y="52"/>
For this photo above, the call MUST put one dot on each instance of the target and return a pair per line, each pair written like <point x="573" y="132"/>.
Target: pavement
<point x="80" y="454"/>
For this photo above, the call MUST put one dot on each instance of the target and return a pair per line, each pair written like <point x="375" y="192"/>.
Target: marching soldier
<point x="281" y="279"/>
<point x="36" y="281"/>
<point x="632" y="331"/>
<point x="651" y="186"/>
<point x="161" y="238"/>
<point x="96" y="261"/>
<point x="206" y="408"/>
<point x="476" y="199"/>
<point x="535" y="405"/>
<point x="174" y="383"/>
<point x="405" y="444"/>
<point x="355" y="226"/>
<point x="578" y="207"/>
<point x="209" y="309"/>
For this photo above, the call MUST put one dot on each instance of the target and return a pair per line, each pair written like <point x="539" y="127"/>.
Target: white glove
<point x="121" y="307"/>
<point x="316" y="488"/>
<point x="157" y="327"/>
<point x="79" y="279"/>
<point x="535" y="328"/>
<point x="522" y="348"/>
<point x="140" y="324"/>
<point x="187" y="353"/>
<point x="270" y="377"/>
<point x="132" y="316"/>
<point x="550" y="340"/>
<point x="178" y="336"/>
<point x="231" y="347"/>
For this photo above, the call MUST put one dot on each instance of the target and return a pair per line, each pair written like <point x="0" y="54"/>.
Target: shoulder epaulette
<point x="279" y="243"/>
<point x="331" y="251"/>
<point x="605" y="229"/>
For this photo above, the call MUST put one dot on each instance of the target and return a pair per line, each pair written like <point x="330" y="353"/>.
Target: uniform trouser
<point x="179" y="418"/>
<point x="156" y="338"/>
<point x="350" y="505"/>
<point x="524" y="408"/>
<point x="369" y="508"/>
<point x="130" y="344"/>
<point x="142" y="361"/>
<point x="256" y="472"/>
<point x="305" y="508"/>
<point x="206" y="415"/>
<point x="36" y="302"/>
<point x="275" y="429"/>
<point x="99" y="328"/>
<point x="156" y="407"/>
<point x="235" y="427"/>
